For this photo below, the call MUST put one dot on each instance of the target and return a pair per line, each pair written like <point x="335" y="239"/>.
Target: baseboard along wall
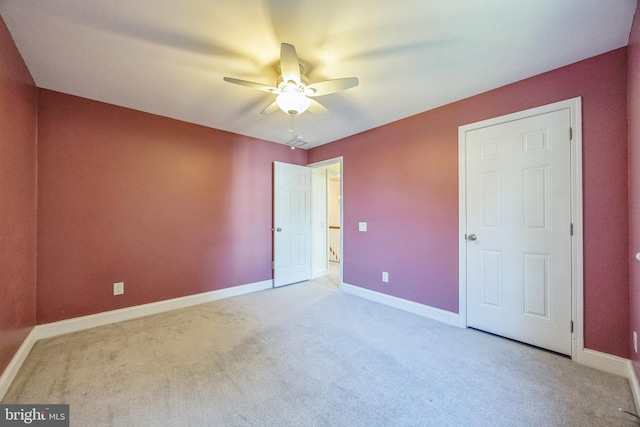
<point x="76" y="324"/>
<point x="635" y="387"/>
<point x="594" y="359"/>
<point x="14" y="366"/>
<point x="591" y="358"/>
<point x="403" y="304"/>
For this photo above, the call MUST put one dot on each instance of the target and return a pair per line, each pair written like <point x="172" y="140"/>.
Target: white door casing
<point x="520" y="198"/>
<point x="319" y="229"/>
<point x="292" y="224"/>
<point x="322" y="215"/>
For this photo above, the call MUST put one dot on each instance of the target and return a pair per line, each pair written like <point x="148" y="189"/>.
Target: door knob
<point x="278" y="229"/>
<point x="471" y="237"/>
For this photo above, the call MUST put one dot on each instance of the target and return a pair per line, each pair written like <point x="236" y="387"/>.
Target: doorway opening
<point x="326" y="218"/>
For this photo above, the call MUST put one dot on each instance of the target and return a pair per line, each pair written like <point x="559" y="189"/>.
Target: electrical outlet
<point x="118" y="288"/>
<point x="635" y="341"/>
<point x="362" y="226"/>
<point x="385" y="277"/>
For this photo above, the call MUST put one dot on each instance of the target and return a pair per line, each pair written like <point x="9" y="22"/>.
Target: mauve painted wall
<point x="18" y="116"/>
<point x="402" y="179"/>
<point x="170" y="208"/>
<point x="633" y="52"/>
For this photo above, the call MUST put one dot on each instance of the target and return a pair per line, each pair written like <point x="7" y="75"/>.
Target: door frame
<point x="320" y="164"/>
<point x="577" y="273"/>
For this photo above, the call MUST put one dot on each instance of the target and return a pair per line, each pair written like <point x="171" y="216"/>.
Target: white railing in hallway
<point x="334" y="243"/>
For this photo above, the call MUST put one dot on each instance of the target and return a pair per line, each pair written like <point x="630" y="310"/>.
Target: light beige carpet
<point x="309" y="355"/>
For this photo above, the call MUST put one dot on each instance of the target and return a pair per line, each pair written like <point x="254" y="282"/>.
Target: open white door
<point x="292" y="224"/>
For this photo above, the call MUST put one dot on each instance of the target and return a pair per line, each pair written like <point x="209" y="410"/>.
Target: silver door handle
<point x="471" y="237"/>
<point x="278" y="229"/>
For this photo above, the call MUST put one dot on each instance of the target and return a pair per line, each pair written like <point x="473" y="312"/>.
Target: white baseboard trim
<point x="592" y="358"/>
<point x="76" y="324"/>
<point x="635" y="387"/>
<point x="14" y="366"/>
<point x="613" y="365"/>
<point x="605" y="362"/>
<point x="403" y="304"/>
<point x="48" y="330"/>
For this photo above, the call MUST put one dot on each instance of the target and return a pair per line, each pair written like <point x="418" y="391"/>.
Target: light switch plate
<point x="362" y="226"/>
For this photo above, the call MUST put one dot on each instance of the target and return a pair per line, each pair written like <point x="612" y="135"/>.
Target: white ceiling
<point x="168" y="57"/>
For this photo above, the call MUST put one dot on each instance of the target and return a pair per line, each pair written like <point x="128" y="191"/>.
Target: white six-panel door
<point x="292" y="224"/>
<point x="518" y="200"/>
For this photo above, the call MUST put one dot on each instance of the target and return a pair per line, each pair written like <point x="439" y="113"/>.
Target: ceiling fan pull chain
<point x="291" y="126"/>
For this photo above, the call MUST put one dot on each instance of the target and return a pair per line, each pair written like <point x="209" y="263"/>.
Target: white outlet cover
<point x="635" y="341"/>
<point x="385" y="276"/>
<point x="118" y="288"/>
<point x="362" y="226"/>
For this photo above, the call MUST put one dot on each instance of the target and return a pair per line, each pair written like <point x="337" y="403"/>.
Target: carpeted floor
<point x="310" y="355"/>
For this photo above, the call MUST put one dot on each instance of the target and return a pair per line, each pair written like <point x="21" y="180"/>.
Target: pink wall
<point x="402" y="179"/>
<point x="18" y="115"/>
<point x="175" y="209"/>
<point x="633" y="52"/>
<point x="170" y="208"/>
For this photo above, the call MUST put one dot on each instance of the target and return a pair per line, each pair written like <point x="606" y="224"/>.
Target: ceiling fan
<point x="295" y="94"/>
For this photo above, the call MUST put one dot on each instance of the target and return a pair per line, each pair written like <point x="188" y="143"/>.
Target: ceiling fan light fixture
<point x="292" y="87"/>
<point x="293" y="102"/>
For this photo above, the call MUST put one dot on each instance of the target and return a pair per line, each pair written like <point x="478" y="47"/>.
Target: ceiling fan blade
<point x="331" y="86"/>
<point x="316" y="108"/>
<point x="252" y="85"/>
<point x="270" y="108"/>
<point x="289" y="65"/>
